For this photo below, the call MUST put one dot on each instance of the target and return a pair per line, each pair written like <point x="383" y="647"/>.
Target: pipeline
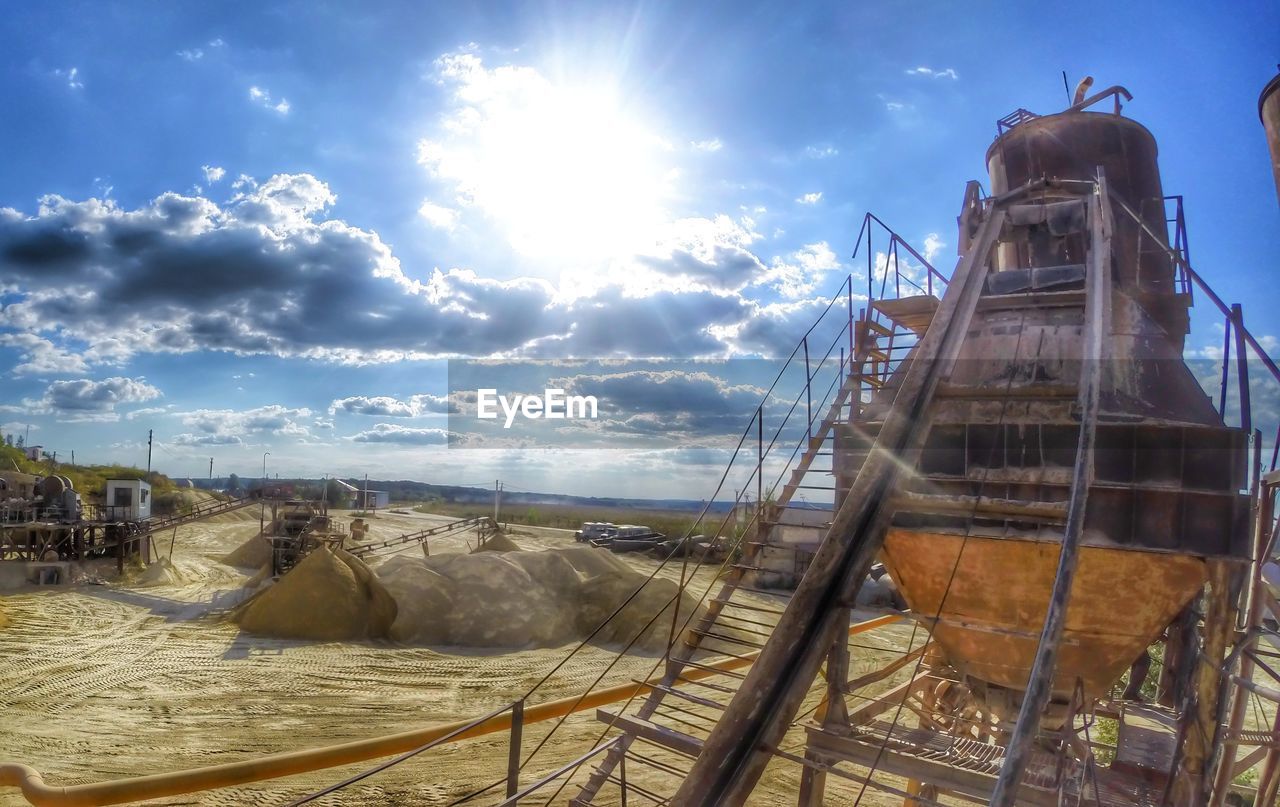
<point x="34" y="789"/>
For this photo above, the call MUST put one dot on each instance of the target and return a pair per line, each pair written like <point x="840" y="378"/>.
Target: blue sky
<point x="228" y="218"/>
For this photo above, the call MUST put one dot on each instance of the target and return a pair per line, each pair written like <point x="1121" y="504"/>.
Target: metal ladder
<point x="752" y="725"/>
<point x="731" y="627"/>
<point x="740" y="731"/>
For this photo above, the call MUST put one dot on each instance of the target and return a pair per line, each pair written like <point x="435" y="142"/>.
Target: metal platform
<point x="970" y="768"/>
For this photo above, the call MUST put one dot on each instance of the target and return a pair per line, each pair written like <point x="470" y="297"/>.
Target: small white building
<point x="35" y="453"/>
<point x="128" y="499"/>
<point x="375" y="499"/>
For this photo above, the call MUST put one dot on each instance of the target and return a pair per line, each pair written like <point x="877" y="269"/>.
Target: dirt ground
<point x="116" y="679"/>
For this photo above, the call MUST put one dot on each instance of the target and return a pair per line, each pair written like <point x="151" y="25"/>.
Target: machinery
<point x="1053" y="493"/>
<point x="1269" y="112"/>
<point x="45" y="519"/>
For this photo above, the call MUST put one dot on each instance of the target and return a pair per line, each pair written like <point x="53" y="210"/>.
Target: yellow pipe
<point x="138" y="788"/>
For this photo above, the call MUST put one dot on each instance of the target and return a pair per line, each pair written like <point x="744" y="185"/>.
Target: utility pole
<point x="73" y="458"/>
<point x="262" y="512"/>
<point x="364" y="505"/>
<point x="497" y="499"/>
<point x="149" y="432"/>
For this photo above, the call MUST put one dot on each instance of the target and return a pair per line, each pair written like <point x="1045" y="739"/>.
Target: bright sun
<point x="565" y="171"/>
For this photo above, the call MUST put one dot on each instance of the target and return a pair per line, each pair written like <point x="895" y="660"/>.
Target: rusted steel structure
<point x="49" y="523"/>
<point x="1269" y="112"/>
<point x="1053" y="492"/>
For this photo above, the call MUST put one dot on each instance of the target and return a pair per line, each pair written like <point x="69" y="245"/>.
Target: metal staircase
<point x="710" y="740"/>
<point x="677" y="715"/>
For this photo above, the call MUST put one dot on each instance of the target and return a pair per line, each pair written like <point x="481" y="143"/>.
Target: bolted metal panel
<point x="1269" y="111"/>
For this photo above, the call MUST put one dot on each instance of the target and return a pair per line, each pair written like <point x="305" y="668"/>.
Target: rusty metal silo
<point x="1269" y="111"/>
<point x="1167" y="469"/>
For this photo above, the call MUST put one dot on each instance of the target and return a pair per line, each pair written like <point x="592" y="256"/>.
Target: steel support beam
<point x="741" y="744"/>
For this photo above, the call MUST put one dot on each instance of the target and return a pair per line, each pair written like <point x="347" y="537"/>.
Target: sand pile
<point x="521" y="599"/>
<point x="330" y="595"/>
<point x="252" y="554"/>
<point x="498" y="543"/>
<point x="160" y="573"/>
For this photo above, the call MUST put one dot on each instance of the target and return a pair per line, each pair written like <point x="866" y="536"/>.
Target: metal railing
<point x="884" y="357"/>
<point x="512" y="779"/>
<point x="569" y="769"/>
<point x="870" y="224"/>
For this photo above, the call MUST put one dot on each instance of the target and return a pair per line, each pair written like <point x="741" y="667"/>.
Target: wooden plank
<point x="970" y="783"/>
<point x="679" y="693"/>
<point x="915" y="313"/>
<point x="882" y="704"/>
<point x="667" y="738"/>
<point x="1147" y="739"/>
<point x="886" y="671"/>
<point x="1249" y="760"/>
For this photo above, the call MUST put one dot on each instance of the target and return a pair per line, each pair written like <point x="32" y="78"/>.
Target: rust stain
<point x="999" y="590"/>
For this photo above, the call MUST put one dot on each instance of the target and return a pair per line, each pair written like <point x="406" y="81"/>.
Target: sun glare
<point x="565" y="171"/>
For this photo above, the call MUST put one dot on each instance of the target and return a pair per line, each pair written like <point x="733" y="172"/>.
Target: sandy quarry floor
<point x="115" y="680"/>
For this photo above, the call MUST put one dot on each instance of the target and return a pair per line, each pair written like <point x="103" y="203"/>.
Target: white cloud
<point x="270" y="273"/>
<point x="776" y="324"/>
<point x="933" y="245"/>
<point x="820" y="152"/>
<point x="86" y="396"/>
<point x="928" y="72"/>
<point x="89" y="417"/>
<point x="39" y="356"/>
<point x="810" y="198"/>
<point x="696" y="253"/>
<point x="800" y="273"/>
<point x="263" y="99"/>
<point x="244" y="181"/>
<point x="894" y="106"/>
<point x="71" y="75"/>
<point x="213" y="173"/>
<point x="147" y="411"/>
<point x="192" y="440"/>
<point x="191" y="54"/>
<point x="442" y="218"/>
<point x="395" y="433"/>
<point x="712" y="145"/>
<point x="385" y="406"/>
<point x="231" y="426"/>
